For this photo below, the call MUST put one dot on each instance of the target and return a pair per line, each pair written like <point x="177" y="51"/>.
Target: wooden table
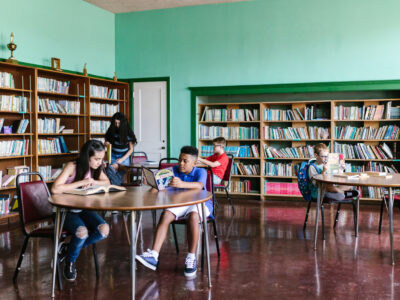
<point x="136" y="198"/>
<point x="374" y="181"/>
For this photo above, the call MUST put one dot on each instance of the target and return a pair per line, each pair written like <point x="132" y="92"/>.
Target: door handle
<point x="163" y="148"/>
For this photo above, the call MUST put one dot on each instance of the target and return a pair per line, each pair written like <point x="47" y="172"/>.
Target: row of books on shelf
<point x="387" y="132"/>
<point x="236" y="151"/>
<point x="371" y="192"/>
<point x="99" y="126"/>
<point x="280" y="169"/>
<point x="289" y="152"/>
<point x="59" y="107"/>
<point x="297" y="114"/>
<point x="49" y="173"/>
<point x="225" y="115"/>
<point x="52" y="85"/>
<point x="240" y="186"/>
<point x="13" y="103"/>
<point x="245" y="169"/>
<point x="296" y="133"/>
<point x="103" y="109"/>
<point x="365" y="112"/>
<point x="236" y="133"/>
<point x="18" y="126"/>
<point x="8" y="179"/>
<point x="52" y="145"/>
<point x="7" y="80"/>
<point x="14" y="148"/>
<point x="363" y="151"/>
<point x="371" y="166"/>
<point x="50" y="125"/>
<point x="281" y="188"/>
<point x="104" y="92"/>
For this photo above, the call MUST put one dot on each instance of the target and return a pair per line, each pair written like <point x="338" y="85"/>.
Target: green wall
<point x="258" y="42"/>
<point x="72" y="30"/>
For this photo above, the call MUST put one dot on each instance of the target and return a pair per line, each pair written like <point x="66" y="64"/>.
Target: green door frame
<point x="131" y="81"/>
<point x="315" y="87"/>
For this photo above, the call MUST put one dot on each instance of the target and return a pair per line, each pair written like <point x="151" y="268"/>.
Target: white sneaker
<point x="190" y="266"/>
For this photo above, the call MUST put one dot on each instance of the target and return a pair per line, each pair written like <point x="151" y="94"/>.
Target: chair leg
<point x="355" y="217"/>
<point x="380" y="216"/>
<point x="337" y="215"/>
<point x="175" y="238"/>
<point x="323" y="222"/>
<point x="59" y="276"/>
<point x="21" y="257"/>
<point x="96" y="261"/>
<point x="230" y="200"/>
<point x="305" y="220"/>
<point x="216" y="237"/>
<point x="202" y="250"/>
<point x="154" y="213"/>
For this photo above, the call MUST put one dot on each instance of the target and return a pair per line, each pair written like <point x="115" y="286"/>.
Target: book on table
<point x="159" y="180"/>
<point x="96" y="189"/>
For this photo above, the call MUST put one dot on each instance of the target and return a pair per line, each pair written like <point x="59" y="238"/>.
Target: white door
<point x="150" y="118"/>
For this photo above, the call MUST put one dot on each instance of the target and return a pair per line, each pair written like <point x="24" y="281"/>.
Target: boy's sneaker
<point x="351" y="194"/>
<point x="190" y="266"/>
<point x="69" y="271"/>
<point x="62" y="252"/>
<point x="148" y="260"/>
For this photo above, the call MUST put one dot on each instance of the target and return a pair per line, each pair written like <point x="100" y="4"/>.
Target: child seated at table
<point x="218" y="161"/>
<point x="318" y="165"/>
<point x="86" y="226"/>
<point x="187" y="176"/>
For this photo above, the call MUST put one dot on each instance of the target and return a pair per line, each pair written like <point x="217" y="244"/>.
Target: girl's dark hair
<point x="82" y="162"/>
<point x="124" y="131"/>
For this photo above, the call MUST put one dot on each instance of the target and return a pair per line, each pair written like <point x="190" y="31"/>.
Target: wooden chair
<point x="35" y="210"/>
<point x="226" y="181"/>
<point x="210" y="219"/>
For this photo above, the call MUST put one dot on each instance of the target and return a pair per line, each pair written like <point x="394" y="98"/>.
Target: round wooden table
<point x="390" y="183"/>
<point x="138" y="198"/>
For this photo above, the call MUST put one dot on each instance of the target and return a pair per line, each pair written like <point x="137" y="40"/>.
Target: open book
<point x="160" y="179"/>
<point x="334" y="162"/>
<point x="96" y="189"/>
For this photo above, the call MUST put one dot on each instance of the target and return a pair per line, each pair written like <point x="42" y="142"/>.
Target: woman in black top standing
<point x="120" y="135"/>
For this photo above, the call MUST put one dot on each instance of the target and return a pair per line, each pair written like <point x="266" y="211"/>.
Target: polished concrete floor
<point x="264" y="255"/>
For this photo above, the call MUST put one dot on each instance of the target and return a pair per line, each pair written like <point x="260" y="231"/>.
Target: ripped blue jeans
<point x="84" y="227"/>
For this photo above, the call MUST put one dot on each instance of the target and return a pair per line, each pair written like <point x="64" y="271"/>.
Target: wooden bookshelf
<point x="321" y="113"/>
<point x="28" y="82"/>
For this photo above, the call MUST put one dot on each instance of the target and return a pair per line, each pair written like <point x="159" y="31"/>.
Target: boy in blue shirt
<point x="187" y="176"/>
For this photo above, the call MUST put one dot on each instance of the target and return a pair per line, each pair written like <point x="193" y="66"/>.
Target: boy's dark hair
<point x="220" y="141"/>
<point x="320" y="147"/>
<point x="124" y="131"/>
<point x="82" y="162"/>
<point x="190" y="150"/>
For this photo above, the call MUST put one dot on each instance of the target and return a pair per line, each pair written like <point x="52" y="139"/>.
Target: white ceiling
<point x="122" y="6"/>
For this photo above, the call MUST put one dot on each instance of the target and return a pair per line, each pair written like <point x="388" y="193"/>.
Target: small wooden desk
<point x="374" y="181"/>
<point x="136" y="198"/>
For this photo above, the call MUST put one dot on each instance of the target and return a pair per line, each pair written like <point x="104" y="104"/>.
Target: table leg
<point x="133" y="251"/>
<point x="203" y="207"/>
<point x="391" y="223"/>
<point x="55" y="255"/>
<point x="317" y="214"/>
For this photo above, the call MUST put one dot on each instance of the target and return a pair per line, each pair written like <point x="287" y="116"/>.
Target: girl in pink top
<point x="87" y="227"/>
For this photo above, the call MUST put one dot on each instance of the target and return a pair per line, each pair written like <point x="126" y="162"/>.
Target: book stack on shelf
<point x="236" y="151"/>
<point x="49" y="125"/>
<point x="229" y="115"/>
<point x="52" y="85"/>
<point x="5" y="204"/>
<point x="104" y="92"/>
<point x="366" y="132"/>
<point x="7" y="80"/>
<point x="99" y="109"/>
<point x="52" y="146"/>
<point x="59" y="107"/>
<point x="99" y="126"/>
<point x="49" y="173"/>
<point x="240" y="168"/>
<point x="13" y="103"/>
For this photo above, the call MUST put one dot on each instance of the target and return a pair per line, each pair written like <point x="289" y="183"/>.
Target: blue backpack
<point x="303" y="180"/>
